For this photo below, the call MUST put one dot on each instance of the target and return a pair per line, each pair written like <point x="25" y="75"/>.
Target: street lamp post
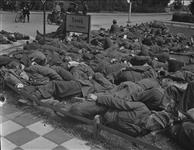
<point x="44" y="19"/>
<point x="129" y="14"/>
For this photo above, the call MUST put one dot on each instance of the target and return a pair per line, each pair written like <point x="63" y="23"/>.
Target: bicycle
<point x="19" y="17"/>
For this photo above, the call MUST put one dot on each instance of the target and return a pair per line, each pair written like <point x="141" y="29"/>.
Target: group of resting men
<point x="133" y="92"/>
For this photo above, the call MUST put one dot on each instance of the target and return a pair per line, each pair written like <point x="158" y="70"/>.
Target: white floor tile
<point x="7" y="145"/>
<point x="39" y="144"/>
<point x="9" y="127"/>
<point x="76" y="144"/>
<point x="40" y="128"/>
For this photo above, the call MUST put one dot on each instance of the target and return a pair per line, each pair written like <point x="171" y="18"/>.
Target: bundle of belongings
<point x="124" y="77"/>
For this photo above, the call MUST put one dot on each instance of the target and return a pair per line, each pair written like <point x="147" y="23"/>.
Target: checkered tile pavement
<point x="23" y="131"/>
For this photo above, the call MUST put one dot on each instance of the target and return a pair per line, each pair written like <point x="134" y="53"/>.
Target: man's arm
<point x="138" y="68"/>
<point x="116" y="103"/>
<point x="45" y="71"/>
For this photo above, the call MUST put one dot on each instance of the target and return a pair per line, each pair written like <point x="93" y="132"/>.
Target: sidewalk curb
<point x="101" y="13"/>
<point x="175" y="23"/>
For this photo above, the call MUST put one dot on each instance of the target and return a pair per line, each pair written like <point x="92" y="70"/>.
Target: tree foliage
<point x="107" y="5"/>
<point x="122" y="5"/>
<point x="155" y="2"/>
<point x="192" y="7"/>
<point x="150" y="5"/>
<point x="178" y="4"/>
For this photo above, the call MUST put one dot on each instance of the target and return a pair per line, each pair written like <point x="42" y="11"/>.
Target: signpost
<point x="129" y="14"/>
<point x="44" y="19"/>
<point x="78" y="23"/>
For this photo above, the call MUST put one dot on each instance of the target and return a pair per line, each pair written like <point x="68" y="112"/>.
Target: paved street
<point x="98" y="20"/>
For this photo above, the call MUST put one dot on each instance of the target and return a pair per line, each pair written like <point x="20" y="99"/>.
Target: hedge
<point x="189" y="18"/>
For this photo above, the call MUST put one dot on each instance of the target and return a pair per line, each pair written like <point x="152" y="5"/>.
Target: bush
<point x="183" y="17"/>
<point x="192" y="7"/>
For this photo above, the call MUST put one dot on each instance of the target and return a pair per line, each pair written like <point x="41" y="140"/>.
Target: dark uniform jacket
<point x="130" y="117"/>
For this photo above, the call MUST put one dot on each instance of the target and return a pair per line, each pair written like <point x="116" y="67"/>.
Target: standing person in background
<point x="26" y="13"/>
<point x="85" y="7"/>
<point x="58" y="8"/>
<point x="57" y="11"/>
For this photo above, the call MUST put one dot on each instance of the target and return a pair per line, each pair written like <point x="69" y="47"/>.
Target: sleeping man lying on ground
<point x="44" y="82"/>
<point x="183" y="127"/>
<point x="136" y="111"/>
<point x="131" y="117"/>
<point x="140" y="116"/>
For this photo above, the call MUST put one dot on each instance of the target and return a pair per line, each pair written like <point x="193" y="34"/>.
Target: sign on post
<point x="78" y="23"/>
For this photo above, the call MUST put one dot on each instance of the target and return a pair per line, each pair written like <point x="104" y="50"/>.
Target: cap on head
<point x="114" y="21"/>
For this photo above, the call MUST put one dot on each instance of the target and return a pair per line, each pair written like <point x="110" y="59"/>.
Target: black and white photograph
<point x="96" y="74"/>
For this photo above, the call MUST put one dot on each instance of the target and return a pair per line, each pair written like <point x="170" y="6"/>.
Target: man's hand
<point x="90" y="77"/>
<point x="181" y="116"/>
<point x="19" y="86"/>
<point x="92" y="97"/>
